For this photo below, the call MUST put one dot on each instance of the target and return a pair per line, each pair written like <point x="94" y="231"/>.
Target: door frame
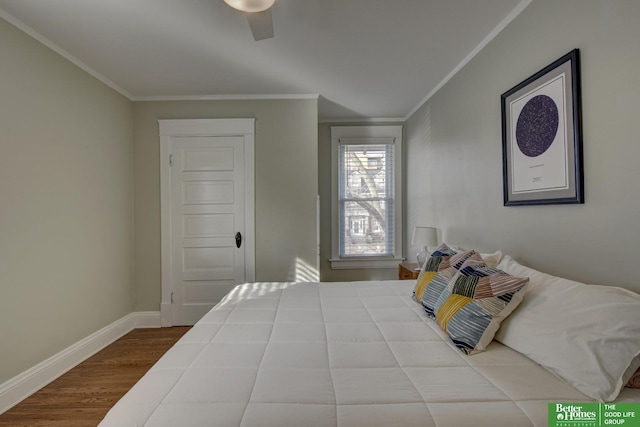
<point x="203" y="127"/>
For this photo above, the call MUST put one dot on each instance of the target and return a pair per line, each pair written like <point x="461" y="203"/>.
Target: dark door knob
<point x="238" y="239"/>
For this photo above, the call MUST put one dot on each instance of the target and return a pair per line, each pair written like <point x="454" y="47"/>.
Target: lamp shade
<point x="424" y="236"/>
<point x="250" y="5"/>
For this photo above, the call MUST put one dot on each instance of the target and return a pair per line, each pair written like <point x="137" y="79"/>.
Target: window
<point x="367" y="196"/>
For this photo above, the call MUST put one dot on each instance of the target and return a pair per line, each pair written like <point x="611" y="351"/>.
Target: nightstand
<point x="408" y="271"/>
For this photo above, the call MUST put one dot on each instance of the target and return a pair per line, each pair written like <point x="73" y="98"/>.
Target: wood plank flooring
<point x="82" y="396"/>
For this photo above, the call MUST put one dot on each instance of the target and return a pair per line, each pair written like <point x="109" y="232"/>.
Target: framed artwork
<point x="542" y="137"/>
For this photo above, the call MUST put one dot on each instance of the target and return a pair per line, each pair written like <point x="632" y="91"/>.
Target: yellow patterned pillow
<point x="474" y="303"/>
<point x="431" y="268"/>
<point x="446" y="270"/>
<point x="422" y="283"/>
<point x="634" y="381"/>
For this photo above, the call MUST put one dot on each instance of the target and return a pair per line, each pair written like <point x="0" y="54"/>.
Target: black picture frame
<point x="542" y="137"/>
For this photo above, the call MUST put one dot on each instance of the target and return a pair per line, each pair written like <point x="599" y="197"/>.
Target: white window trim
<point x="365" y="132"/>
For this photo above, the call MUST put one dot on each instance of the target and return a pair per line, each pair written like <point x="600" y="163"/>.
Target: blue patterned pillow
<point x="475" y="302"/>
<point x="446" y="270"/>
<point x="430" y="269"/>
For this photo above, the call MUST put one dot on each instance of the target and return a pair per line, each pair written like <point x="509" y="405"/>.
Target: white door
<point x="207" y="228"/>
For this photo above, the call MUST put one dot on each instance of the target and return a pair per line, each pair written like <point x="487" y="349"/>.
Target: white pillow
<point x="493" y="259"/>
<point x="587" y="335"/>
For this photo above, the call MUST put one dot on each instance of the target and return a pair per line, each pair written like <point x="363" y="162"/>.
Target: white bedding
<point x="335" y="354"/>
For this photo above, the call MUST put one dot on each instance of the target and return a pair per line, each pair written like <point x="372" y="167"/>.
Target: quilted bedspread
<point x="334" y="354"/>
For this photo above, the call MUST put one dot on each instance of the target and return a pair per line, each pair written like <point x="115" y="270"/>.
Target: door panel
<point x="206" y="293"/>
<point x="213" y="159"/>
<point x="207" y="192"/>
<point x="207" y="181"/>
<point x="208" y="225"/>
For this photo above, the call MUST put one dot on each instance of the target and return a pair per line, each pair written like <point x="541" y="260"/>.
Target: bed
<point x="367" y="353"/>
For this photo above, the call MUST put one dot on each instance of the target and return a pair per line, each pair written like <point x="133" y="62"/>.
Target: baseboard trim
<point x="146" y="319"/>
<point x="25" y="384"/>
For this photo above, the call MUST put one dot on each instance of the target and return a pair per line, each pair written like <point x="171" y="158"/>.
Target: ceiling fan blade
<point x="261" y="24"/>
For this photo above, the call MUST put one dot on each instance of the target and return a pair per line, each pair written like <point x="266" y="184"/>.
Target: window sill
<point x="363" y="263"/>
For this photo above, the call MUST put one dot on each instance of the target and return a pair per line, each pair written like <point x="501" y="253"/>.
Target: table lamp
<point x="423" y="237"/>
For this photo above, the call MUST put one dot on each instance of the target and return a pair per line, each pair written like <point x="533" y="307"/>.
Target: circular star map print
<point x="537" y="125"/>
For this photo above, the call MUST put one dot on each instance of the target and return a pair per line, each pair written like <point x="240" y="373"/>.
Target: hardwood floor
<point x="82" y="396"/>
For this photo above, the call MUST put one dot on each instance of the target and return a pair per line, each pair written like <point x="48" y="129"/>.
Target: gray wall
<point x="66" y="208"/>
<point x="455" y="153"/>
<point x="286" y="186"/>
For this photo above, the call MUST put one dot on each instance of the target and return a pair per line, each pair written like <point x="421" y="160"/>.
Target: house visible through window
<point x="367" y="196"/>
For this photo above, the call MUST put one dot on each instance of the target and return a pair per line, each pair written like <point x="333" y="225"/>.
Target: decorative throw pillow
<point x="634" y="381"/>
<point x="447" y="268"/>
<point x="474" y="303"/>
<point x="430" y="269"/>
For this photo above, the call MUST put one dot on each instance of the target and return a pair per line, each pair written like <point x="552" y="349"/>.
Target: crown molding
<point x="238" y="97"/>
<point x="60" y="51"/>
<point x="501" y="26"/>
<point x="362" y="120"/>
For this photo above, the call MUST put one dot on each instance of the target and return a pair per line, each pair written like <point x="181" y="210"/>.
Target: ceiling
<point x="365" y="59"/>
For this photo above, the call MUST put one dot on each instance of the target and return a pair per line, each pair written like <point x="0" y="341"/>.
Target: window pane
<point x="366" y="200"/>
<point x="366" y="171"/>
<point x="365" y="228"/>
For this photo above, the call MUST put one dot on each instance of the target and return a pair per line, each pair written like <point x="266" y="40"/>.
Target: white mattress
<point x="335" y="354"/>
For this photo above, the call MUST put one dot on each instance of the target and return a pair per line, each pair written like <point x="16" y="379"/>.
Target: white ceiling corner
<point x="368" y="60"/>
